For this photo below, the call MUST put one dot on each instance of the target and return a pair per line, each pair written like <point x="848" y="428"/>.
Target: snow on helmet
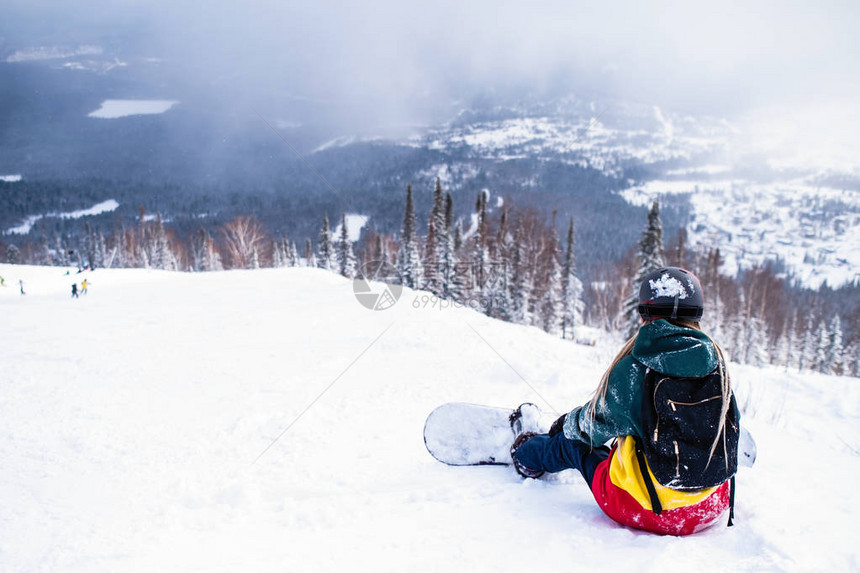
<point x="671" y="292"/>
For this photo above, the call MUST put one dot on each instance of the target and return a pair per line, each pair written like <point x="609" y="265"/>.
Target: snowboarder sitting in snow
<point x="670" y="469"/>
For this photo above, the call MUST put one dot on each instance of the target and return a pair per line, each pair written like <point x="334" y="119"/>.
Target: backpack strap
<point x="731" y="502"/>
<point x="656" y="506"/>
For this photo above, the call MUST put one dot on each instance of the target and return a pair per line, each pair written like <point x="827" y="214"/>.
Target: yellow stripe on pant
<point x="624" y="473"/>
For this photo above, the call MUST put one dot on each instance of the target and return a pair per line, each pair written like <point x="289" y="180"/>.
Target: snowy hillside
<point x="266" y="421"/>
<point x="805" y="218"/>
<point x="601" y="135"/>
<point x="813" y="230"/>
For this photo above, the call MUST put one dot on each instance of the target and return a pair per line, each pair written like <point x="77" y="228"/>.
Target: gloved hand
<point x="557" y="426"/>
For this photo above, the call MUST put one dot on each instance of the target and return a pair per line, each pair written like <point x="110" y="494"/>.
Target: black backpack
<point x="680" y="418"/>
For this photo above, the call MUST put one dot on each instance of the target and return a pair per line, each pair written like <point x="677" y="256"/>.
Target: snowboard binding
<point x="521" y="469"/>
<point x="526" y="418"/>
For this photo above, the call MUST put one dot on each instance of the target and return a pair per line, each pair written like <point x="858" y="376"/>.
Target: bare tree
<point x="243" y="239"/>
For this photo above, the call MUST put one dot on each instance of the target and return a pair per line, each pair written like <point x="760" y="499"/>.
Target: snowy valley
<point x="805" y="219"/>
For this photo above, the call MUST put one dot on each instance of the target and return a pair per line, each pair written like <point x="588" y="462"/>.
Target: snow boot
<point x="521" y="469"/>
<point x="526" y="418"/>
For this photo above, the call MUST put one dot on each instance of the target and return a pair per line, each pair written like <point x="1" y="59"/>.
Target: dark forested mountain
<point x="81" y="125"/>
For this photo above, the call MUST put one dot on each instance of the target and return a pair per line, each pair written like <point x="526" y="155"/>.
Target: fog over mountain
<point x="385" y="64"/>
<point x="285" y="111"/>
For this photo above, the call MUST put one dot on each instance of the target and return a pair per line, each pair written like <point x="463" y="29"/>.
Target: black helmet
<point x="671" y="292"/>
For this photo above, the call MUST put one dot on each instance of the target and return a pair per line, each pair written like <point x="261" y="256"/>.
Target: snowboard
<point x="463" y="434"/>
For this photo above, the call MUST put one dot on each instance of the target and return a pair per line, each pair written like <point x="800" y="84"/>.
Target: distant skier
<point x="75" y="290"/>
<point x="84" y="286"/>
<point x="2" y="282"/>
<point x="669" y="352"/>
<point x="21" y="285"/>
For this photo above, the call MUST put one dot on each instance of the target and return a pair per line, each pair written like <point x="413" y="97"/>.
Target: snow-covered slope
<point x="806" y="218"/>
<point x="114" y="108"/>
<point x="813" y="231"/>
<point x="266" y="421"/>
<point x="98" y="208"/>
<point x="601" y="135"/>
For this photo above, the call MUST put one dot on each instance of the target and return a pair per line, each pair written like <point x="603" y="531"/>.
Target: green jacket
<point x="660" y="345"/>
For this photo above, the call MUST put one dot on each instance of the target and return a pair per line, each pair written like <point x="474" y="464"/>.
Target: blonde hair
<point x="725" y="383"/>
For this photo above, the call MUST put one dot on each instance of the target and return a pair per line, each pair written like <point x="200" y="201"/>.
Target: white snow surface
<point x="114" y="108"/>
<point x="266" y="421"/>
<point x="53" y="53"/>
<point x="354" y="224"/>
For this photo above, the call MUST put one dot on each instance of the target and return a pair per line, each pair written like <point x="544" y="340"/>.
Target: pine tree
<point x="205" y="256"/>
<point x="380" y="253"/>
<point x="61" y="255"/>
<point x="781" y="354"/>
<point x="480" y="251"/>
<point x="325" y="248"/>
<point x="435" y="245"/>
<point x="255" y="257"/>
<point x="550" y="304"/>
<point x="821" y="349"/>
<point x="309" y="254"/>
<point x="277" y="254"/>
<point x="458" y="236"/>
<point x="756" y="342"/>
<point x="162" y="255"/>
<point x="140" y="253"/>
<point x="43" y="253"/>
<point x="786" y="352"/>
<point x="90" y="245"/>
<point x="521" y="284"/>
<point x="198" y="247"/>
<point x="571" y="290"/>
<point x="294" y="255"/>
<point x="345" y="255"/>
<point x="13" y="255"/>
<point x="101" y="250"/>
<point x="438" y="213"/>
<point x="797" y="340"/>
<point x="286" y="248"/>
<point x="211" y="257"/>
<point x="835" y="360"/>
<point x="806" y="359"/>
<point x="447" y="257"/>
<point x="715" y="314"/>
<point x="498" y="293"/>
<point x="551" y="299"/>
<point x="679" y="252"/>
<point x="650" y="257"/>
<point x="432" y="280"/>
<point x="852" y="365"/>
<point x="736" y="332"/>
<point x="408" y="258"/>
<point x="285" y="251"/>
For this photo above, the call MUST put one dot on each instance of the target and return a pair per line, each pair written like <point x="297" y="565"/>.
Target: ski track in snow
<point x="97" y="209"/>
<point x="132" y="417"/>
